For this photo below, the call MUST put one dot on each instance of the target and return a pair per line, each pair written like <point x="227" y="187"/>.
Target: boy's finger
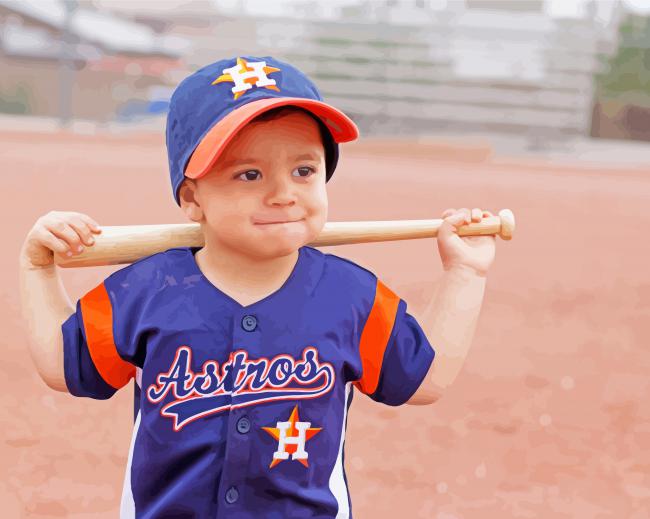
<point x="62" y="230"/>
<point x="50" y="241"/>
<point x="464" y="214"/>
<point x="94" y="226"/>
<point x="83" y="230"/>
<point x="477" y="214"/>
<point x="457" y="219"/>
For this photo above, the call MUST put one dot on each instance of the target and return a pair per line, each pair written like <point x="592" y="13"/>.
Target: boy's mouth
<point x="275" y="222"/>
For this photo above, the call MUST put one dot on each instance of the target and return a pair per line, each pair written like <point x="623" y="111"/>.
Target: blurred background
<point x="546" y="70"/>
<point x="540" y="106"/>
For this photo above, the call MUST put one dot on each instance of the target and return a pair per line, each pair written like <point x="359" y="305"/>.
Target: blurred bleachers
<point x="448" y="71"/>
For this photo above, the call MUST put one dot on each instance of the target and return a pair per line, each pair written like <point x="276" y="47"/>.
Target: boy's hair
<point x="326" y="136"/>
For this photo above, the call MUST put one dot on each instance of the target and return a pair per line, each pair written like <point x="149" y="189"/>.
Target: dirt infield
<point x="550" y="417"/>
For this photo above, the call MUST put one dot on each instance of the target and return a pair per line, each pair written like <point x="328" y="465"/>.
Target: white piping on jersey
<point x="337" y="480"/>
<point x="127" y="506"/>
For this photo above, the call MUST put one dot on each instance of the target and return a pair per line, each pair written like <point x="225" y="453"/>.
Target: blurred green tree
<point x="626" y="75"/>
<point x="17" y="102"/>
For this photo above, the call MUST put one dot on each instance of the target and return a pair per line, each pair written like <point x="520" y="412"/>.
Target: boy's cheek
<point x="316" y="224"/>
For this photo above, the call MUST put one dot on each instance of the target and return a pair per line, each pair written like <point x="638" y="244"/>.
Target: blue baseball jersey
<point x="242" y="410"/>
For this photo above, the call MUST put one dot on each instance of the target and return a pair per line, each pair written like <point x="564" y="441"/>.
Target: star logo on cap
<point x="246" y="74"/>
<point x="292" y="436"/>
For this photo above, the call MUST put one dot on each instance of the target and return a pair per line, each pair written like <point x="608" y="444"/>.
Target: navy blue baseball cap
<point x="208" y="108"/>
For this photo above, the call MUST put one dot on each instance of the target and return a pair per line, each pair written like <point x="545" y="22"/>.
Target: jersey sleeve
<point x="101" y="346"/>
<point x="395" y="352"/>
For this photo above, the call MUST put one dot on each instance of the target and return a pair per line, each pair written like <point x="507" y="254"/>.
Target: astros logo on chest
<point x="292" y="436"/>
<point x="238" y="382"/>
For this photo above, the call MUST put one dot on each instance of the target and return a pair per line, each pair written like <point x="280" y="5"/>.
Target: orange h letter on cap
<point x="245" y="75"/>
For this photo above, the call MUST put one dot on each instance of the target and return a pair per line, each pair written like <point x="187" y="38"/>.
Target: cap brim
<point x="207" y="152"/>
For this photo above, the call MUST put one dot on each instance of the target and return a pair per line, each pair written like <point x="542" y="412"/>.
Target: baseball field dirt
<point x="550" y="416"/>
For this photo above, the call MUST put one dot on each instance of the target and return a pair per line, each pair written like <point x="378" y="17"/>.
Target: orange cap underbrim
<point x="207" y="152"/>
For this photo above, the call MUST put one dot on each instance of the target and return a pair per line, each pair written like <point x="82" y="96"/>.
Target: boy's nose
<point x="281" y="191"/>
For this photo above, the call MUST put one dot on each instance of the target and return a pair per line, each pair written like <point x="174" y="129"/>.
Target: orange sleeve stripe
<point x="98" y="323"/>
<point x="375" y="335"/>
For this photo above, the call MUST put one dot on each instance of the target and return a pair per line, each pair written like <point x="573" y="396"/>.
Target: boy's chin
<point x="280" y="247"/>
<point x="275" y="247"/>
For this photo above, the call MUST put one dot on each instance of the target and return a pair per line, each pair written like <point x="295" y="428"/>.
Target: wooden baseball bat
<point x="128" y="243"/>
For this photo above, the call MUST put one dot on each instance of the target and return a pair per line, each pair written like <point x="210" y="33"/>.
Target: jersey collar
<point x="301" y="282"/>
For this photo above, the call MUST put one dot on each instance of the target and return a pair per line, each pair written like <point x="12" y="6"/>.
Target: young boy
<point x="246" y="351"/>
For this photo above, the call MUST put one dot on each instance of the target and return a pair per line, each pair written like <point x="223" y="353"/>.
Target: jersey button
<point x="232" y="495"/>
<point x="249" y="323"/>
<point x="243" y="425"/>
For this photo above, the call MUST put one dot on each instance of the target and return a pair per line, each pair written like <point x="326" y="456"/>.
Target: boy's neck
<point x="231" y="270"/>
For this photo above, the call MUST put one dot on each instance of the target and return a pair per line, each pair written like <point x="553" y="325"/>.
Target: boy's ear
<point x="187" y="194"/>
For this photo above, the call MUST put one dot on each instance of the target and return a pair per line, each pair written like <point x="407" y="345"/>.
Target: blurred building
<point x="112" y="67"/>
<point x="423" y="67"/>
<point x="413" y="67"/>
<point x="419" y="66"/>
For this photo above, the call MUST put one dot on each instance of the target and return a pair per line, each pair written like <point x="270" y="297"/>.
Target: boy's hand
<point x="474" y="252"/>
<point x="63" y="232"/>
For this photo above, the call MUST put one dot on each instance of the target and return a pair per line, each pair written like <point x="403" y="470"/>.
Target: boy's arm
<point x="45" y="306"/>
<point x="449" y="322"/>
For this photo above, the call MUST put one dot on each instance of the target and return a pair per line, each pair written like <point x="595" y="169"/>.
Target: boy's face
<point x="271" y="171"/>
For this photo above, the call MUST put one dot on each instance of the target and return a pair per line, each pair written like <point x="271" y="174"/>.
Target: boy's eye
<point x="250" y="175"/>
<point x="304" y="171"/>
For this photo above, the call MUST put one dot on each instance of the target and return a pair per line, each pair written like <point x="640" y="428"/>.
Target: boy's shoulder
<point x="149" y="270"/>
<point x="346" y="270"/>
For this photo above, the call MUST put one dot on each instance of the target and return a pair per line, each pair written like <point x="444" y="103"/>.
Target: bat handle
<point x="340" y="233"/>
<point x="502" y="226"/>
